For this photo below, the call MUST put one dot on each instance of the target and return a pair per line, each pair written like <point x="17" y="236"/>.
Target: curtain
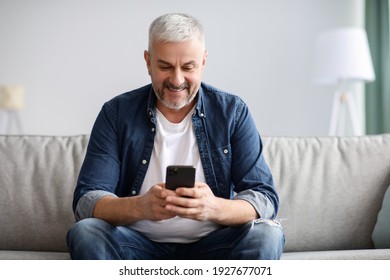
<point x="378" y="92"/>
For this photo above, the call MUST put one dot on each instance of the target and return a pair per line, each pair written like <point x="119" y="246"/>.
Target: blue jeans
<point x="96" y="239"/>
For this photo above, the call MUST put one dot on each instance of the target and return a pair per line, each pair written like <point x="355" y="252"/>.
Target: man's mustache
<point x="173" y="87"/>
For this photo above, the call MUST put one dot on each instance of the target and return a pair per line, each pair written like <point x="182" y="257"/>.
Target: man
<point x="122" y="206"/>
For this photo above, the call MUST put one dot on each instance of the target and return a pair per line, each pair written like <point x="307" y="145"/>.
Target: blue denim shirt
<point x="122" y="140"/>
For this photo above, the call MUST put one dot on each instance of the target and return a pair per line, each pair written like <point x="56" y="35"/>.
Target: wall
<point x="71" y="56"/>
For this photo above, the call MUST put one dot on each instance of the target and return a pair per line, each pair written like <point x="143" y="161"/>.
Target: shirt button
<point x="144" y="161"/>
<point x="225" y="151"/>
<point x="153" y="129"/>
<point x="202" y="115"/>
<point x="133" y="192"/>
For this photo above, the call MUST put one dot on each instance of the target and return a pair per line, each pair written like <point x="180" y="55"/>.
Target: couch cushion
<point x="33" y="255"/>
<point x="38" y="177"/>
<point x="367" y="254"/>
<point x="331" y="189"/>
<point x="381" y="234"/>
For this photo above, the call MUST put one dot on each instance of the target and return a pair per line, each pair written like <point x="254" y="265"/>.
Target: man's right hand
<point x="153" y="203"/>
<point x="126" y="210"/>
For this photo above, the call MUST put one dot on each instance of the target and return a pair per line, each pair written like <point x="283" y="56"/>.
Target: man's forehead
<point x="190" y="62"/>
<point x="186" y="52"/>
<point x="189" y="45"/>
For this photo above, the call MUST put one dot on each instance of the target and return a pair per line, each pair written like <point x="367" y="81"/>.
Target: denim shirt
<point x="122" y="140"/>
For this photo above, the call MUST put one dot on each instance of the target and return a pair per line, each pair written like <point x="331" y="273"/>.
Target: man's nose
<point x="177" y="78"/>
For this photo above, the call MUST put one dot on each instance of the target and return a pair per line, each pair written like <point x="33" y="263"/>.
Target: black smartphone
<point x="180" y="176"/>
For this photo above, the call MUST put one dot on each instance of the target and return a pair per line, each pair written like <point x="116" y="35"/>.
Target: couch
<point x="331" y="191"/>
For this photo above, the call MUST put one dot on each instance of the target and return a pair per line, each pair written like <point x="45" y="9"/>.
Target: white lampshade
<point x="342" y="55"/>
<point x="12" y="97"/>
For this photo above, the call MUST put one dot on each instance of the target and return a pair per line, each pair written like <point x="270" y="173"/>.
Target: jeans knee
<point x="91" y="239"/>
<point x="84" y="230"/>
<point x="268" y="233"/>
<point x="83" y="226"/>
<point x="263" y="240"/>
<point x="268" y="229"/>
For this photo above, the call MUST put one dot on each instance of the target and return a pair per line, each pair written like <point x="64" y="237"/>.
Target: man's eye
<point x="165" y="68"/>
<point x="188" y="68"/>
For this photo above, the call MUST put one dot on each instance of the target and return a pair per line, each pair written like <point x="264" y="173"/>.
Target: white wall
<point x="73" y="55"/>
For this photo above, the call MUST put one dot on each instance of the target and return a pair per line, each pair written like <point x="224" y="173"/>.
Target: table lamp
<point x="11" y="102"/>
<point x="343" y="57"/>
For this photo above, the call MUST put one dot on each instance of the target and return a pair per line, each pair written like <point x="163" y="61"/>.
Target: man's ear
<point x="147" y="60"/>
<point x="204" y="59"/>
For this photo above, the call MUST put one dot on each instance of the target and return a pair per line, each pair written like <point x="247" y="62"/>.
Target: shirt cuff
<point x="86" y="204"/>
<point x="260" y="202"/>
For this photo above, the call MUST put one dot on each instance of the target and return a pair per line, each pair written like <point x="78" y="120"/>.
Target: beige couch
<point x="331" y="191"/>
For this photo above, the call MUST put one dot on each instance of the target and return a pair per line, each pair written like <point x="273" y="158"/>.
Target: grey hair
<point x="176" y="28"/>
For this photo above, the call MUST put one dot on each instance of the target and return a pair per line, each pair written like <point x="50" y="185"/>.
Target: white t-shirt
<point x="174" y="144"/>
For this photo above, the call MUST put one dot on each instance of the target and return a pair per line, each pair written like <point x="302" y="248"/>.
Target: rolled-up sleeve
<point x="87" y="202"/>
<point x="263" y="206"/>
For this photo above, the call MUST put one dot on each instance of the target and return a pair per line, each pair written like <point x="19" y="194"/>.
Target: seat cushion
<point x="33" y="255"/>
<point x="370" y="254"/>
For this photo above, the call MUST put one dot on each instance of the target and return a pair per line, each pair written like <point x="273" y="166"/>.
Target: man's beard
<point x="174" y="105"/>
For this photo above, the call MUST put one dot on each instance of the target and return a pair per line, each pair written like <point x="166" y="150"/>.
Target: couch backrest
<point x="330" y="188"/>
<point x="37" y="180"/>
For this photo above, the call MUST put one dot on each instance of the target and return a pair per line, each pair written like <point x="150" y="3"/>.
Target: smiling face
<point x="176" y="72"/>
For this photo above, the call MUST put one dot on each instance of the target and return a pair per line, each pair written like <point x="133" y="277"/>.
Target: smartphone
<point x="180" y="176"/>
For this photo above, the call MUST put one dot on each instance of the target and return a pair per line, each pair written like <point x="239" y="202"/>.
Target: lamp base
<point x="8" y="118"/>
<point x="343" y="102"/>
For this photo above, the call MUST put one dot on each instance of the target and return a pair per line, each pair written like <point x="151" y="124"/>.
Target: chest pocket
<point x="222" y="156"/>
